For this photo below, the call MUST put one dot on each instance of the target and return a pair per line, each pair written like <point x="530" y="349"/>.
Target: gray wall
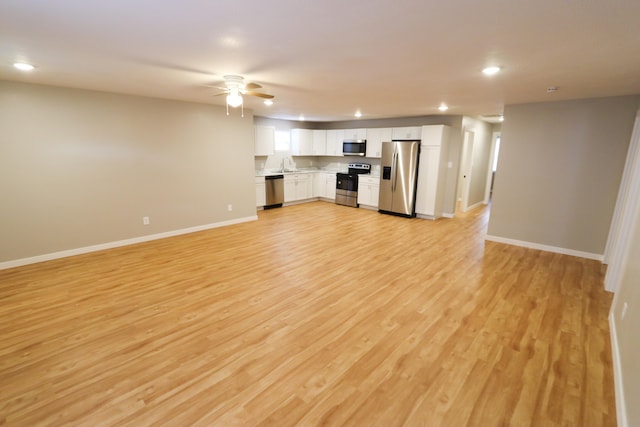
<point x="80" y="168"/>
<point x="285" y="125"/>
<point x="560" y="168"/>
<point x="449" y="120"/>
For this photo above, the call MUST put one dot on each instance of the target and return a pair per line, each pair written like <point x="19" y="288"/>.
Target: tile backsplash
<point x="280" y="159"/>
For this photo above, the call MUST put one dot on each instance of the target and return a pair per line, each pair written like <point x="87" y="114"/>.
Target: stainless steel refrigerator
<point x="399" y="176"/>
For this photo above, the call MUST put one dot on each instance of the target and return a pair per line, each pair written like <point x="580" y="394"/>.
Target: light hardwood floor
<point x="315" y="314"/>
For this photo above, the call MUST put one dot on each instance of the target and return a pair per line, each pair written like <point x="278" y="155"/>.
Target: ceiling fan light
<point x="234" y="99"/>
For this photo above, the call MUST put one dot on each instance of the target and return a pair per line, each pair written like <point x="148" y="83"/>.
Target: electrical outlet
<point x="624" y="311"/>
<point x="229" y="208"/>
<point x="145" y="220"/>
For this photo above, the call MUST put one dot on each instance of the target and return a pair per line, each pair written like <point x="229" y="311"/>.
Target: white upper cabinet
<point x="375" y="137"/>
<point x="301" y="142"/>
<point x="334" y="142"/>
<point x="434" y="155"/>
<point x="434" y="135"/>
<point x="319" y="142"/>
<point x="409" y="132"/>
<point x="355" y="134"/>
<point x="264" y="139"/>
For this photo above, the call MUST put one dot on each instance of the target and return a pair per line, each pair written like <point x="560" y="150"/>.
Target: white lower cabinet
<point x="318" y="184"/>
<point x="330" y="186"/>
<point x="324" y="185"/>
<point x="261" y="195"/>
<point x="298" y="187"/>
<point x="368" y="190"/>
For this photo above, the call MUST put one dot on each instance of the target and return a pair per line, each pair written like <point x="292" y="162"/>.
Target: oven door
<point x="347" y="189"/>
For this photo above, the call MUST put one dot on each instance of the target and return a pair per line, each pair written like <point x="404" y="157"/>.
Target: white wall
<point x="81" y="168"/>
<point x="560" y="168"/>
<point x="623" y="277"/>
<point x="626" y="339"/>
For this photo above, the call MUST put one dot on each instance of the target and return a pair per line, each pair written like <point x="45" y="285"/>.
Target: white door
<point x="466" y="164"/>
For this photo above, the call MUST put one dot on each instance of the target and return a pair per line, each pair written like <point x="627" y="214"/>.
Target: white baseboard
<point x="621" y="411"/>
<point x="371" y="208"/>
<point x="423" y="216"/>
<point x="110" y="245"/>
<point x="530" y="245"/>
<point x="448" y="215"/>
<point x="299" y="202"/>
<point x="475" y="205"/>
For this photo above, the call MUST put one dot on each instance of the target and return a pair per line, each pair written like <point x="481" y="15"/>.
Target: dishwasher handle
<point x="268" y="177"/>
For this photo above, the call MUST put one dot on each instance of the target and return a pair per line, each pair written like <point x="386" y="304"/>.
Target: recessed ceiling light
<point x="443" y="107"/>
<point x="489" y="71"/>
<point x="268" y="102"/>
<point x="552" y="89"/>
<point x="23" y="66"/>
<point x="301" y="118"/>
<point x="358" y="114"/>
<point x="230" y="41"/>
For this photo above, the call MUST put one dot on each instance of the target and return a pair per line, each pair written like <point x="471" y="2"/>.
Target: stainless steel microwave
<point x="354" y="147"/>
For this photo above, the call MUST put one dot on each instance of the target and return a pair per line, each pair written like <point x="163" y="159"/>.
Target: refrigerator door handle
<point x="395" y="170"/>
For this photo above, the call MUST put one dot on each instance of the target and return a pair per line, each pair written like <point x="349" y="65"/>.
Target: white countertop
<point x="293" y="172"/>
<point x="269" y="172"/>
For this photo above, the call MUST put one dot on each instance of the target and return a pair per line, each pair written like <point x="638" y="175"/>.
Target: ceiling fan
<point x="235" y="87"/>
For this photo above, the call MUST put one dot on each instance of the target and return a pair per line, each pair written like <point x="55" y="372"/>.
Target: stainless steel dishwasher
<point x="274" y="185"/>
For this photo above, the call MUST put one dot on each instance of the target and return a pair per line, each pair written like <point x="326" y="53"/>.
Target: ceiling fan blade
<point x="215" y="86"/>
<point x="221" y="93"/>
<point x="252" y="86"/>
<point x="258" y="94"/>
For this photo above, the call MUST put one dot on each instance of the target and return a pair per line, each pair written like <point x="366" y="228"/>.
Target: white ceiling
<point x="327" y="58"/>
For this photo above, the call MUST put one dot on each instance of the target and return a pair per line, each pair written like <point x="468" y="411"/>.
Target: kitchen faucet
<point x="287" y="169"/>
